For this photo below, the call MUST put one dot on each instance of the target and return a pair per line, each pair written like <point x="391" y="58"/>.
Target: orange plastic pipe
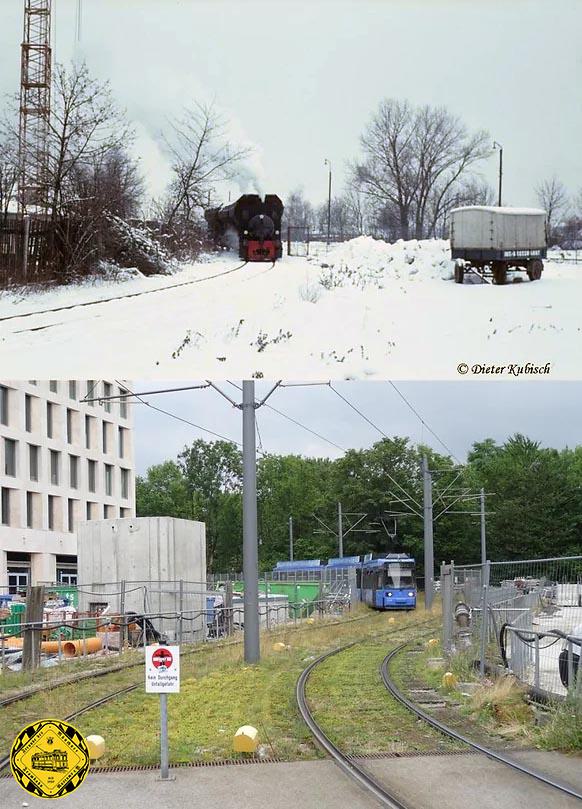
<point x="74" y="648"/>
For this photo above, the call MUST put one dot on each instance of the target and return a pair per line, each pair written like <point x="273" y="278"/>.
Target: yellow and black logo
<point x="49" y="758"/>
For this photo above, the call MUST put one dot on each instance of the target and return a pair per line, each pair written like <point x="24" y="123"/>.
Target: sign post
<point x="162" y="676"/>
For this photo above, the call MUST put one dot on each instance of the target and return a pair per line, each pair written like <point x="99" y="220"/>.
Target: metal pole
<point x="252" y="650"/>
<point x="483" y="534"/>
<point x="25" y="243"/>
<point x="340" y="530"/>
<point x="484" y="617"/>
<point x="164" y="754"/>
<point x="500" y="172"/>
<point x="428" y="535"/>
<point x="291" y="539"/>
<point x="329" y="207"/>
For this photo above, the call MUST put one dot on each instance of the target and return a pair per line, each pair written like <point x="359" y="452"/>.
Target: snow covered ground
<point x="363" y="309"/>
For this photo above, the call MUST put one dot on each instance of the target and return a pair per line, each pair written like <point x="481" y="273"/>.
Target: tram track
<point x="351" y="764"/>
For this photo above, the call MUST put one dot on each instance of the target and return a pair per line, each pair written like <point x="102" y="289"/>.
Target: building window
<point x="108" y="512"/>
<point x="10" y="457"/>
<point x="53" y="386"/>
<point x="52" y="509"/>
<point x="33" y="461"/>
<point x="69" y="426"/>
<point x="125" y="483"/>
<point x="107" y="392"/>
<point x="124" y="512"/>
<point x="106" y="429"/>
<point x="73" y="471"/>
<point x="91" y="510"/>
<point x="32" y="382"/>
<point x="121" y="433"/>
<point x="90" y="389"/>
<point x="122" y="404"/>
<point x="55" y="466"/>
<point x="50" y="419"/>
<point x="29" y="510"/>
<point x="72" y="389"/>
<point x="17" y="579"/>
<point x="71" y="515"/>
<point x="28" y="413"/>
<point x="3" y="405"/>
<point x="66" y="576"/>
<point x="92" y="475"/>
<point x="5" y="504"/>
<point x="108" y="480"/>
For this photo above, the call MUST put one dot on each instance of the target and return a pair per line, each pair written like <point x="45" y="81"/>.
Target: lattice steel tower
<point x="35" y="106"/>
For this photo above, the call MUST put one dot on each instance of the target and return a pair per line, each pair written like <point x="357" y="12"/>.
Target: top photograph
<point x="356" y="189"/>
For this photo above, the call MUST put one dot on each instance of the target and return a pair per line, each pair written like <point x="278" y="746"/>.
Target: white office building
<point x="61" y="461"/>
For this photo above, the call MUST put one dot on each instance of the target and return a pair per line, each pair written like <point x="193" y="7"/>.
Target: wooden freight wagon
<point x="492" y="240"/>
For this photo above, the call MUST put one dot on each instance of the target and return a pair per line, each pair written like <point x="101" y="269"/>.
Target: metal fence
<point x="107" y="617"/>
<point x="525" y="616"/>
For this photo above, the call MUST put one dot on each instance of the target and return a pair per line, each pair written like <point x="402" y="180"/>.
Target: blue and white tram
<point x="388" y="583"/>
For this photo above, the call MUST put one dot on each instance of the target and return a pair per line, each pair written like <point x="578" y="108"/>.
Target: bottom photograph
<point x="283" y="593"/>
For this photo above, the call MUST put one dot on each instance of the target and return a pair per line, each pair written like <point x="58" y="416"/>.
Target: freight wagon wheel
<point x="535" y="269"/>
<point x="459" y="273"/>
<point x="499" y="272"/>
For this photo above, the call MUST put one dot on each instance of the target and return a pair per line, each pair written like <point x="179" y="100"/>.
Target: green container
<point x="66" y="591"/>
<point x="16" y="617"/>
<point x="86" y="628"/>
<point x="301" y="595"/>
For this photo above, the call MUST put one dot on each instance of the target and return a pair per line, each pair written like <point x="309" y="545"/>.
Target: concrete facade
<point x="61" y="461"/>
<point x="151" y="555"/>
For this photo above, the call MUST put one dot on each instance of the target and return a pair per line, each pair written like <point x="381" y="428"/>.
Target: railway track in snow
<point x="114" y="298"/>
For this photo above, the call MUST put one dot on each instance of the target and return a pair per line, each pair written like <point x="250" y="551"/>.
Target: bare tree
<point x="388" y="174"/>
<point x="299" y="211"/>
<point x="553" y="198"/>
<point x="470" y="191"/>
<point x="413" y="158"/>
<point x="8" y="176"/>
<point x="201" y="156"/>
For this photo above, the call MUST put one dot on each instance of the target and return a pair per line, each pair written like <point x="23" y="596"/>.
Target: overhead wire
<point x="422" y="421"/>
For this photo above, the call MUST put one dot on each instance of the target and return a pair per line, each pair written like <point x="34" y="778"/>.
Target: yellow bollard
<point x="432" y="643"/>
<point x="246" y="739"/>
<point x="449" y="680"/>
<point x="279" y="647"/>
<point x="96" y="746"/>
<point x="392" y="620"/>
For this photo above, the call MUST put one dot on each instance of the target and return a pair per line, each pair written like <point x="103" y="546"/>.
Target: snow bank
<point x="365" y="261"/>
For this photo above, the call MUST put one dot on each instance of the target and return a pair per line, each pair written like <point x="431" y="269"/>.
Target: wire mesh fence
<point x="108" y="617"/>
<point x="523" y="615"/>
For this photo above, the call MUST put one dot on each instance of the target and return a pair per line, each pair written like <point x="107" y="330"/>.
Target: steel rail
<point x="453" y="734"/>
<point x="351" y="769"/>
<point x="117" y="298"/>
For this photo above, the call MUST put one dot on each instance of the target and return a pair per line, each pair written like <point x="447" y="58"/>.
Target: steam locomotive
<point x="251" y="223"/>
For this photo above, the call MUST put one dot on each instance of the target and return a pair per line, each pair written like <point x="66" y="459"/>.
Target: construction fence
<point x="107" y="618"/>
<point x="523" y="616"/>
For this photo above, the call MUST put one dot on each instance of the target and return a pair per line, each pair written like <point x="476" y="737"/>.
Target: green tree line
<point x="534" y="507"/>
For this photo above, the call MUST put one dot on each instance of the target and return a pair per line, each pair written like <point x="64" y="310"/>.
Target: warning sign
<point x="162" y="671"/>
<point x="49" y="758"/>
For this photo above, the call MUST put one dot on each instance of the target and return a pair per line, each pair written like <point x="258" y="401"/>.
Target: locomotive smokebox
<point x="256" y="221"/>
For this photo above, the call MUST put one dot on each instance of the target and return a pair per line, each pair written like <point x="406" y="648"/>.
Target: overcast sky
<point x="299" y="79"/>
<point x="460" y="413"/>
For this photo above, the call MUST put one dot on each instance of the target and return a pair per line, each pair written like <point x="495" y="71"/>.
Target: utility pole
<point x="483" y="534"/>
<point x="428" y="534"/>
<point x="500" y="147"/>
<point x="290" y="539"/>
<point x="252" y="649"/>
<point x="328" y="163"/>
<point x="340" y="530"/>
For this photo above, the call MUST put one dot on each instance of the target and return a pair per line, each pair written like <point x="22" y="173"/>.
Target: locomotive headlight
<point x="245" y="232"/>
<point x="411" y="595"/>
<point x="276" y="233"/>
<point x="389" y="595"/>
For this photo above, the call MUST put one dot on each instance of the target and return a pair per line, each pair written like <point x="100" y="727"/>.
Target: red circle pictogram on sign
<point x="162" y="658"/>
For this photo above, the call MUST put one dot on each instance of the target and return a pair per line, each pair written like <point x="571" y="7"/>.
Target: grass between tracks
<point x="218" y="695"/>
<point x="498" y="713"/>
